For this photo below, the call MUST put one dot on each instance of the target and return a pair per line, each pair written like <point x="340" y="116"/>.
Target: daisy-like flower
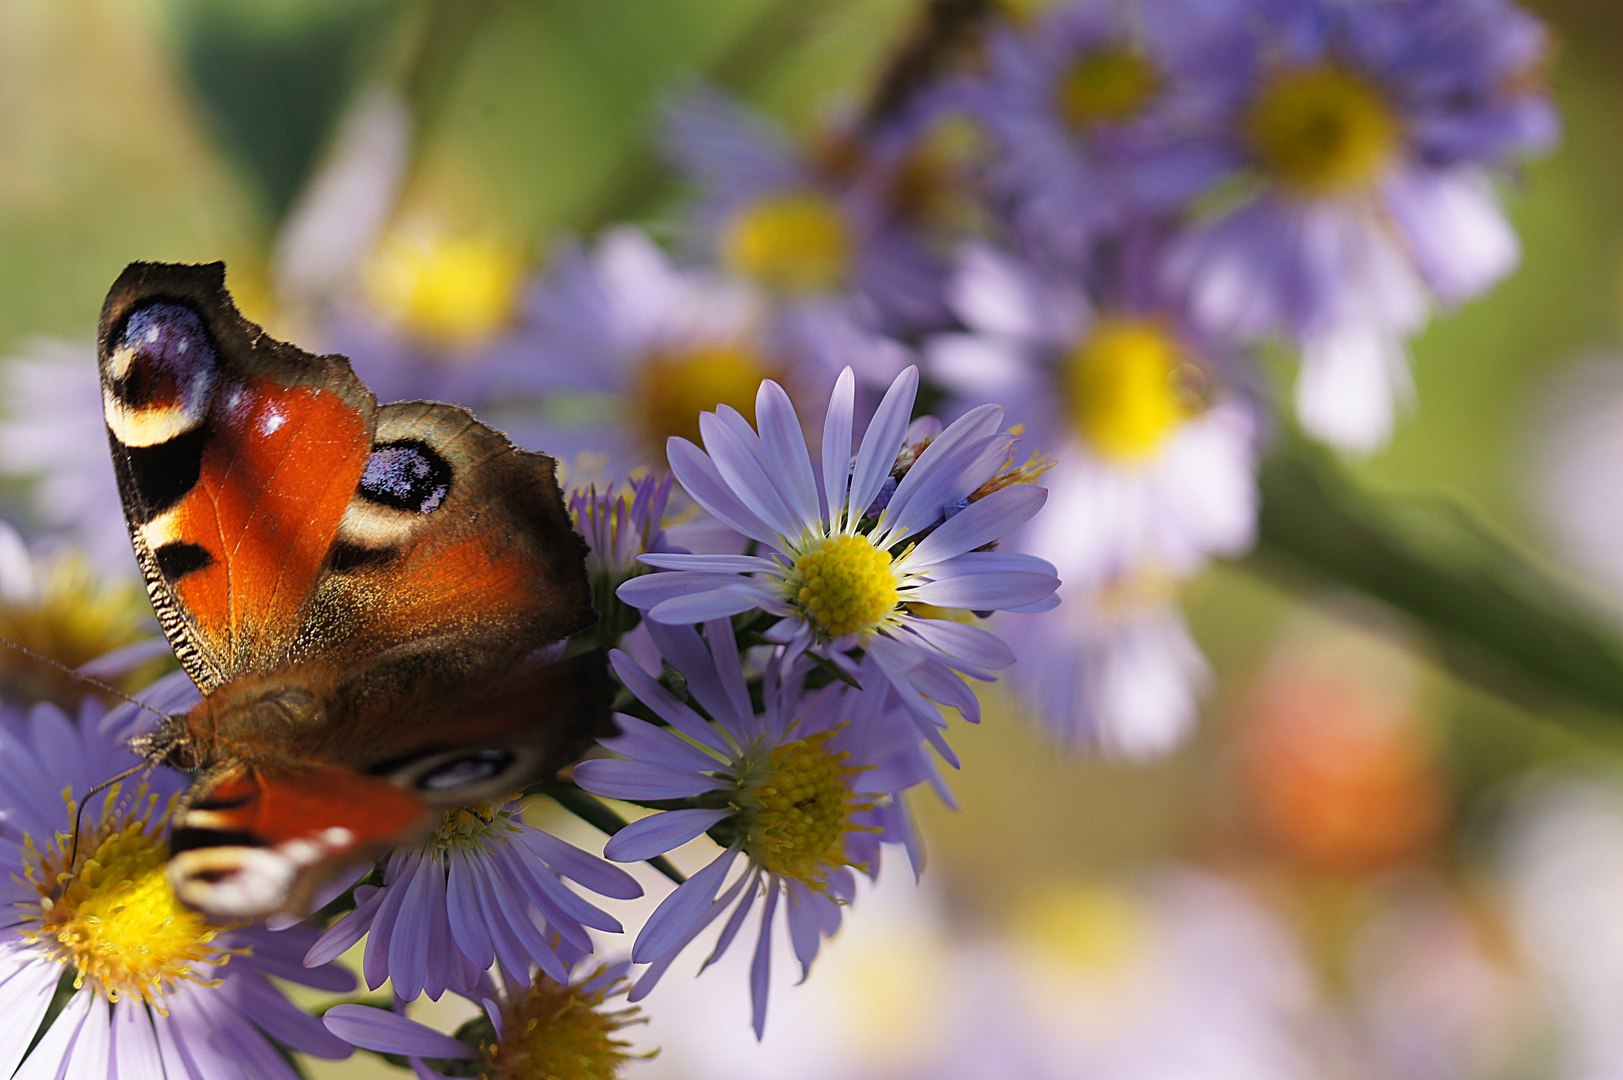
<point x="1113" y="669"/>
<point x="651" y="345"/>
<point x="1365" y="136"/>
<point x="840" y="573"/>
<point x="560" y="1030"/>
<point x="619" y="526"/>
<point x="1100" y="115"/>
<point x="60" y="608"/>
<point x="804" y="792"/>
<point x="823" y="240"/>
<point x="1155" y="456"/>
<point x="154" y="988"/>
<point x="486" y="888"/>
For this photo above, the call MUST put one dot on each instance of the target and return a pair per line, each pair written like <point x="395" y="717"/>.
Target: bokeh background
<point x="1404" y="874"/>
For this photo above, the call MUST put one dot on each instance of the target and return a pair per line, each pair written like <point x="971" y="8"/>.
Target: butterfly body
<point x="373" y="599"/>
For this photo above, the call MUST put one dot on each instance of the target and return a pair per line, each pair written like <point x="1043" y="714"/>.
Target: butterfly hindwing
<point x="454" y="534"/>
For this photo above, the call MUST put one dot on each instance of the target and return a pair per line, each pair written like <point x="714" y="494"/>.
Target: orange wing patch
<point x="256" y="841"/>
<point x="243" y="549"/>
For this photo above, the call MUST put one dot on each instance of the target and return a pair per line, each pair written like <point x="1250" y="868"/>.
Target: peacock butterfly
<point x="373" y="599"/>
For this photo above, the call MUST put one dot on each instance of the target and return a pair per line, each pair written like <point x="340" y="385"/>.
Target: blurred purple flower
<point x="1103" y="112"/>
<point x="817" y="232"/>
<point x="1364" y="138"/>
<point x="1154" y="452"/>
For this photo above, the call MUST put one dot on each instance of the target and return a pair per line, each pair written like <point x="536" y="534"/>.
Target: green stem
<point x="1498" y="621"/>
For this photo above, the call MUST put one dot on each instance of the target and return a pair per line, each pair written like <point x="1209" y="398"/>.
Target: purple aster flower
<point x="1101" y="115"/>
<point x="59" y="607"/>
<point x="486" y="888"/>
<point x="157" y="988"/>
<point x="619" y="526"/>
<point x="803" y="791"/>
<point x="814" y="231"/>
<point x="547" y="1028"/>
<point x="841" y="575"/>
<point x="1155" y="454"/>
<point x="1113" y="669"/>
<point x="648" y="345"/>
<point x="1364" y="138"/>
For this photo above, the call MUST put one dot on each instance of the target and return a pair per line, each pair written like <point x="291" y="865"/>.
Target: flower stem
<point x="1498" y="621"/>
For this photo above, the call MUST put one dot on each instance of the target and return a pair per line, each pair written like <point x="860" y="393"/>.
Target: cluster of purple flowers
<point x="1159" y="188"/>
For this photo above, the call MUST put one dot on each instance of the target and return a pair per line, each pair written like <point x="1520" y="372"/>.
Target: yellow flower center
<point x="844" y="585"/>
<point x="72" y="618"/>
<point x="793" y="821"/>
<point x="1110" y="86"/>
<point x="1322" y="129"/>
<point x="1123" y="388"/>
<point x="466" y="828"/>
<point x="796" y="242"/>
<point x="675" y="388"/>
<point x="455" y="290"/>
<point x="114" y="918"/>
<point x="559" y="1032"/>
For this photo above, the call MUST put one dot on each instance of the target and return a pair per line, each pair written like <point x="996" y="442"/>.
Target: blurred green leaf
<point x="1498" y="620"/>
<point x="272" y="89"/>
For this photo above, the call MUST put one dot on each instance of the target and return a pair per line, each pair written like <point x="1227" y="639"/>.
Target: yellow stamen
<point x="560" y="1032"/>
<point x="844" y="585"/>
<point x="796" y="809"/>
<point x="1322" y="129"/>
<point x="796" y="242"/>
<point x="676" y="387"/>
<point x="1110" y="86"/>
<point x="455" y="290"/>
<point x="1123" y="388"/>
<point x="113" y="917"/>
<point x="472" y="828"/>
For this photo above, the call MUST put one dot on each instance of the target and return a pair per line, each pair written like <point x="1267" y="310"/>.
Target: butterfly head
<point x="171" y="744"/>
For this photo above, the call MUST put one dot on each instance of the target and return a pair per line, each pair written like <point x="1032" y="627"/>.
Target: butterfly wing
<point x="236" y="456"/>
<point x="259" y="834"/>
<point x="401" y="566"/>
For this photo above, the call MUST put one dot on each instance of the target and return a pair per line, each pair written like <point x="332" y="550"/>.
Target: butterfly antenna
<point x="82" y="677"/>
<point x="79" y="812"/>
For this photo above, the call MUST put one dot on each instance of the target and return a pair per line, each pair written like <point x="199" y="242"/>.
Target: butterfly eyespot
<point x="469" y="769"/>
<point x="406" y="475"/>
<point x="161" y="375"/>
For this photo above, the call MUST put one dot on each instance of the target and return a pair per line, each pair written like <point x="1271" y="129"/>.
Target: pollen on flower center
<point x="843" y="586"/>
<point x="1321" y="129"/>
<point x="795" y="819"/>
<point x="115" y="918"/>
<point x="676" y="387"/>
<point x="1122" y="388"/>
<point x="469" y="828"/>
<point x="797" y="242"/>
<point x="560" y="1032"/>
<point x="1109" y="86"/>
<point x="456" y="290"/>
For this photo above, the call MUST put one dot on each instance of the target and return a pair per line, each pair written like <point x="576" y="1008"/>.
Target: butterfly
<point x="373" y="599"/>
